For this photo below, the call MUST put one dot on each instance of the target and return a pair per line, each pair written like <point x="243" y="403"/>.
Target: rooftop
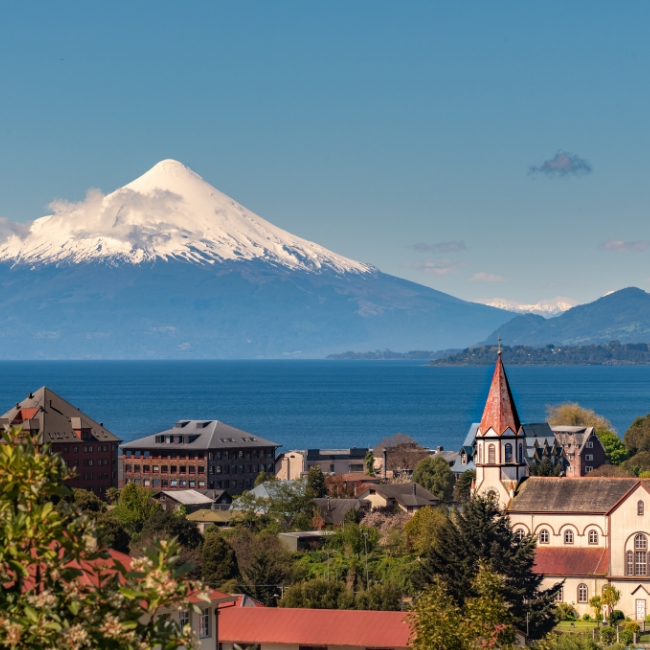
<point x="562" y="561"/>
<point x="314" y="627"/>
<point x="500" y="411"/>
<point x="186" y="497"/>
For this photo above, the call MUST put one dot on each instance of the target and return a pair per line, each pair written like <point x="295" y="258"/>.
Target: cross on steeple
<point x="499" y="342"/>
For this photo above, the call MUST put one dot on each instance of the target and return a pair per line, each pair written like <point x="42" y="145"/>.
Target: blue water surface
<point x="302" y="404"/>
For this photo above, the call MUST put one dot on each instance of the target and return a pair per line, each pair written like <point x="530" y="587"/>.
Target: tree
<point x="264" y="577"/>
<point x="423" y="528"/>
<point x="464" y="485"/>
<point x="163" y="524"/>
<point x="611" y="471"/>
<point x="134" y="507"/>
<point x="338" y="488"/>
<point x="111" y="533"/>
<point x="481" y="533"/>
<point x="369" y="462"/>
<point x="218" y="559"/>
<point x="615" y="451"/>
<point x="640" y="462"/>
<point x="483" y="621"/>
<point x="611" y="596"/>
<point x="318" y="594"/>
<point x="637" y="437"/>
<point x="435" y="475"/>
<point x="47" y="601"/>
<point x="545" y="468"/>
<point x="88" y="502"/>
<point x="596" y="605"/>
<point x="316" y="488"/>
<point x="572" y="414"/>
<point x="263" y="477"/>
<point x="385" y="597"/>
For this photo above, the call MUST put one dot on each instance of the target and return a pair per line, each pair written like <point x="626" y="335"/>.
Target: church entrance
<point x="640" y="610"/>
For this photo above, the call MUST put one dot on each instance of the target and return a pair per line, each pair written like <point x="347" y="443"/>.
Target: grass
<point x="578" y="626"/>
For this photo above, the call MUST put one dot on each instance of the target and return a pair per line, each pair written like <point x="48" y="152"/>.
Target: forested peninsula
<point x="612" y="354"/>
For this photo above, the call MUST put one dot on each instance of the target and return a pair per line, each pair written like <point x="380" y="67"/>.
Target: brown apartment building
<point x="197" y="454"/>
<point x="583" y="449"/>
<point x="85" y="445"/>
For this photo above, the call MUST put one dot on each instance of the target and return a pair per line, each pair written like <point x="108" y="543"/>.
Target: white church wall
<point x="558" y="524"/>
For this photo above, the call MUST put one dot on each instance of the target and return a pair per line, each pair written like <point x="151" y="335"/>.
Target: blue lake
<point x="302" y="404"/>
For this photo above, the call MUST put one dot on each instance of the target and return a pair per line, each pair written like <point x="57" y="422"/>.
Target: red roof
<point x="500" y="411"/>
<point x="564" y="562"/>
<point x="314" y="627"/>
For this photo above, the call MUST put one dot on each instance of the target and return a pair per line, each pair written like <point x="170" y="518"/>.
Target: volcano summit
<point x="169" y="267"/>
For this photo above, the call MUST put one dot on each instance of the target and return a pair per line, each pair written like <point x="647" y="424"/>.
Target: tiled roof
<point x="201" y="434"/>
<point x="562" y="494"/>
<point x="565" y="562"/>
<point x="500" y="411"/>
<point x="314" y="627"/>
<point x="186" y="497"/>
<point x="55" y="419"/>
<point x="403" y="493"/>
<point x="334" y="510"/>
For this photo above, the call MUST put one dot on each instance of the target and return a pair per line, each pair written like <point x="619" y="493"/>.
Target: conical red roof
<point x="500" y="411"/>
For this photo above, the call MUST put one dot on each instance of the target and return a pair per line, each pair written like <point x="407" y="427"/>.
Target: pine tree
<point x="481" y="533"/>
<point x="316" y="488"/>
<point x="218" y="559"/>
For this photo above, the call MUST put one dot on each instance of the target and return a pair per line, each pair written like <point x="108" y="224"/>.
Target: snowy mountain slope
<point x="168" y="213"/>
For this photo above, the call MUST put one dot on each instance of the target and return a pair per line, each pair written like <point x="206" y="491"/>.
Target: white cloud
<point x="620" y="246"/>
<point x="433" y="267"/>
<point x="486" y="277"/>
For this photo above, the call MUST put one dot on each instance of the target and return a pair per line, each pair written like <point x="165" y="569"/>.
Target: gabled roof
<point x="201" y="434"/>
<point x="408" y="494"/>
<point x="55" y="419"/>
<point x="561" y="494"/>
<point x="314" y="627"/>
<point x="185" y="497"/>
<point x="500" y="411"/>
<point x="334" y="510"/>
<point x="575" y="437"/>
<point x="564" y="562"/>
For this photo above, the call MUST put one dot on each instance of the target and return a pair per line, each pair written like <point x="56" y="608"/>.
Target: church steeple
<point x="500" y="411"/>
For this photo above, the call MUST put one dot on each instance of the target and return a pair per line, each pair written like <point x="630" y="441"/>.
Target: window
<point x="640" y="563"/>
<point x="582" y="593"/>
<point x="204" y="623"/>
<point x="588" y="469"/>
<point x="593" y="537"/>
<point x="521" y="454"/>
<point x="127" y="468"/>
<point x="629" y="563"/>
<point x="543" y="536"/>
<point x="589" y="457"/>
<point x="76" y="450"/>
<point x="491" y="455"/>
<point x="519" y="534"/>
<point x="480" y="454"/>
<point x="640" y="543"/>
<point x="559" y="594"/>
<point x="639" y="508"/>
<point x="568" y="537"/>
<point x="508" y="451"/>
<point x="183" y="619"/>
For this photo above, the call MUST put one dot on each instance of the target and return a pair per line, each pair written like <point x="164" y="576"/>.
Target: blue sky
<point x="484" y="149"/>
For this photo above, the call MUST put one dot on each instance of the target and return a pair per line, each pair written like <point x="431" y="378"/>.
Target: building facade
<point x="296" y="463"/>
<point x="582" y="447"/>
<point x="197" y="454"/>
<point x="86" y="446"/>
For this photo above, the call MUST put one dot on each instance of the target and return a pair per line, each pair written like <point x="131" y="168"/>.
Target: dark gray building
<point x="197" y="454"/>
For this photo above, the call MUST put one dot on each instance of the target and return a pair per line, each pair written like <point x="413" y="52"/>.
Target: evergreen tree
<point x="111" y="533"/>
<point x="434" y="475"/>
<point x="316" y="488"/>
<point x="382" y="597"/>
<point x="464" y="485"/>
<point x="218" y="559"/>
<point x="545" y="468"/>
<point x="481" y="533"/>
<point x="164" y="525"/>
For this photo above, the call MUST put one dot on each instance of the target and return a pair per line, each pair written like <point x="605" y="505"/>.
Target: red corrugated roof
<point x="316" y="627"/>
<point x="500" y="411"/>
<point x="564" y="562"/>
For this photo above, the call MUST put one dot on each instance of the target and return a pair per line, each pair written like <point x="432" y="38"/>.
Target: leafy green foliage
<point x="134" y="507"/>
<point x="318" y="594"/>
<point x="637" y="437"/>
<point x="382" y="597"/>
<point x="615" y="450"/>
<point x="44" y="603"/>
<point x="111" y="533"/>
<point x="545" y="468"/>
<point x="218" y="559"/>
<point x="639" y="463"/>
<point x="422" y="530"/>
<point x="435" y="475"/>
<point x="316" y="488"/>
<point x="481" y="533"/>
<point x="574" y="415"/>
<point x="164" y="525"/>
<point x="464" y="485"/>
<point x="568" y="642"/>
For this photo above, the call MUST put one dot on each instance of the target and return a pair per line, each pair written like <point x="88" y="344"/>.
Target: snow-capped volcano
<point x="168" y="213"/>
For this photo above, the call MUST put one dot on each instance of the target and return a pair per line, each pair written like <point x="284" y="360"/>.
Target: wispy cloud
<point x="442" y="247"/>
<point x="486" y="277"/>
<point x="433" y="267"/>
<point x="563" y="164"/>
<point x="13" y="229"/>
<point x="620" y="246"/>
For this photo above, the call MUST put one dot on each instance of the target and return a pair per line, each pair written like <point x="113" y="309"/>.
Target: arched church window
<point x="519" y="534"/>
<point x="640" y="555"/>
<point x="639" y="508"/>
<point x="593" y="537"/>
<point x="521" y="454"/>
<point x="640" y="542"/>
<point x="568" y="536"/>
<point x="508" y="451"/>
<point x="543" y="536"/>
<point x="559" y="594"/>
<point x="629" y="563"/>
<point x="491" y="455"/>
<point x="582" y="593"/>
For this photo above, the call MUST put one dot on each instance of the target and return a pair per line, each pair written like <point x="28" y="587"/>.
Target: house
<point x="583" y="448"/>
<point x="206" y="517"/>
<point x="296" y="463"/>
<point x="199" y="454"/>
<point x="332" y="511"/>
<point x="296" y="629"/>
<point x="409" y="497"/>
<point x="304" y="540"/>
<point x="189" y="499"/>
<point x="85" y="445"/>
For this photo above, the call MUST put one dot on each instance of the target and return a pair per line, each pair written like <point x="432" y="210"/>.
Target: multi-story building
<point x="583" y="448"/>
<point x="296" y="463"/>
<point x="197" y="454"/>
<point x="85" y="445"/>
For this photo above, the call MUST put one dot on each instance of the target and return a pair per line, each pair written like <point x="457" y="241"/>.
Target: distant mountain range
<point x="620" y="316"/>
<point x="389" y="355"/>
<point x="168" y="267"/>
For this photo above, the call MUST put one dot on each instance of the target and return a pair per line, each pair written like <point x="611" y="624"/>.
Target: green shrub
<point x="586" y="617"/>
<point x="626" y="637"/>
<point x="617" y="615"/>
<point x="608" y="634"/>
<point x="633" y="627"/>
